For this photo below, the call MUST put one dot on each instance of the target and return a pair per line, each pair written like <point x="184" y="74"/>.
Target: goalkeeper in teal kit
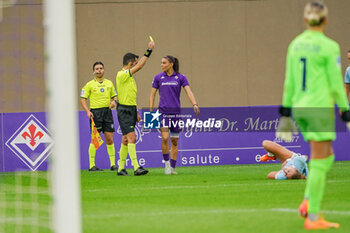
<point x="313" y="84"/>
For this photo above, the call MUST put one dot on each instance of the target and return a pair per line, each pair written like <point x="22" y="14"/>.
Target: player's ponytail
<point x="176" y="65"/>
<point x="175" y="62"/>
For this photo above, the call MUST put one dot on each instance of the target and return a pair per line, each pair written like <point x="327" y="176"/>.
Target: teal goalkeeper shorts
<point x="315" y="124"/>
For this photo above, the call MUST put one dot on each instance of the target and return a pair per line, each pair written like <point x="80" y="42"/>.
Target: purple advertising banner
<point x="26" y="143"/>
<point x="2" y="165"/>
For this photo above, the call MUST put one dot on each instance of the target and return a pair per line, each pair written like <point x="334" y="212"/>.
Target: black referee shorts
<point x="127" y="117"/>
<point x="103" y="119"/>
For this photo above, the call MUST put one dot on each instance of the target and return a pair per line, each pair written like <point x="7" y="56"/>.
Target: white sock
<point x="312" y="217"/>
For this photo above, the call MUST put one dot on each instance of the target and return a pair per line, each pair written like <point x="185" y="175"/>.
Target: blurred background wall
<point x="232" y="52"/>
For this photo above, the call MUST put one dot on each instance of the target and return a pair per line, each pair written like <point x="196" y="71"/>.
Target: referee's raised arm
<point x="143" y="59"/>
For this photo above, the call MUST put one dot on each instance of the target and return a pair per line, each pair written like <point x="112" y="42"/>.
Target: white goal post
<point x="62" y="112"/>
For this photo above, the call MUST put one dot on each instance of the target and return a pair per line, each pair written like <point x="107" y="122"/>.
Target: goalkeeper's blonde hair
<point x="315" y="13"/>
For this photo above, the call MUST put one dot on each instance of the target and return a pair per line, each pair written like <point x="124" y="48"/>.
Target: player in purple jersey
<point x="169" y="84"/>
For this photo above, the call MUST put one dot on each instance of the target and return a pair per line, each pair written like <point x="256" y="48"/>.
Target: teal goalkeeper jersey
<point x="313" y="73"/>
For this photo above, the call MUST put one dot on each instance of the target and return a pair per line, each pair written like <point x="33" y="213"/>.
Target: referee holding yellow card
<point x="127" y="108"/>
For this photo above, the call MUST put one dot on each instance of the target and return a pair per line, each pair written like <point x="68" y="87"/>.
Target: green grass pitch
<point x="235" y="198"/>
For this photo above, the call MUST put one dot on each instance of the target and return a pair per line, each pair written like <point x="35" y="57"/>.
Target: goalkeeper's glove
<point x="286" y="127"/>
<point x="345" y="116"/>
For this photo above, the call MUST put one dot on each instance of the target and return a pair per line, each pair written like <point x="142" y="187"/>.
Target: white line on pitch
<point x="323" y="211"/>
<point x="224" y="185"/>
<point x="279" y="183"/>
<point x="221" y="149"/>
<point x="210" y="211"/>
<point x="188" y="186"/>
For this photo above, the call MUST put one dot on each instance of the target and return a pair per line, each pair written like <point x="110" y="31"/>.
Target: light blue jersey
<point x="299" y="162"/>
<point x="347" y="75"/>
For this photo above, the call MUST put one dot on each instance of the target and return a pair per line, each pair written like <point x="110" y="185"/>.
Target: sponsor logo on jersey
<point x="174" y="83"/>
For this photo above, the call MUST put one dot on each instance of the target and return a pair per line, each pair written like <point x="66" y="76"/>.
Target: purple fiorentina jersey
<point x="169" y="91"/>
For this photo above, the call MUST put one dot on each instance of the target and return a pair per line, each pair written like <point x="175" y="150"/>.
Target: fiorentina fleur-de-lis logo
<point x="32" y="135"/>
<point x="31" y="143"/>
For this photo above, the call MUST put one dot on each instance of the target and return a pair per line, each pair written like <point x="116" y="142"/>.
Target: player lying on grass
<point x="293" y="165"/>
